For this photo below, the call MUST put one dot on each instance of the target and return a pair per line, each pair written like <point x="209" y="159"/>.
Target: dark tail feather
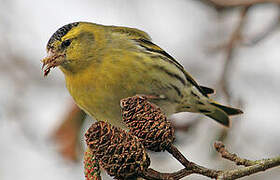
<point x="221" y="113"/>
<point x="207" y="90"/>
<point x="229" y="110"/>
<point x="220" y="116"/>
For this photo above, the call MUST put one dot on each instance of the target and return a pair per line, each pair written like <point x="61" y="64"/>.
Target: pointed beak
<point x="51" y="61"/>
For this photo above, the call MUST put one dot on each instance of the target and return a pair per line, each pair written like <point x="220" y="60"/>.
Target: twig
<point x="220" y="147"/>
<point x="194" y="168"/>
<point x="179" y="156"/>
<point x="251" y="167"/>
<point x="246" y="171"/>
<point x="152" y="174"/>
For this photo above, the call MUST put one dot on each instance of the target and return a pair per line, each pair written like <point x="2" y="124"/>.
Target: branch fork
<point x="123" y="154"/>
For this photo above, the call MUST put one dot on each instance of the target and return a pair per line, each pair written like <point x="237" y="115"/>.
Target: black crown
<point x="60" y="33"/>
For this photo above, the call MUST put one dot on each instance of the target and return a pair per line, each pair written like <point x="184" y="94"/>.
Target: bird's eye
<point x="65" y="43"/>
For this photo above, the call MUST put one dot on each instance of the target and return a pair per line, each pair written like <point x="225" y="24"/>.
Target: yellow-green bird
<point x="104" y="64"/>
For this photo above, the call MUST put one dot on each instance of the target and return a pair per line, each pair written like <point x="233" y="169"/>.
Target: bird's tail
<point x="221" y="113"/>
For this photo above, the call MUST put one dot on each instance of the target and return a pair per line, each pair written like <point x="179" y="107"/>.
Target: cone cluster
<point x="146" y="121"/>
<point x="121" y="154"/>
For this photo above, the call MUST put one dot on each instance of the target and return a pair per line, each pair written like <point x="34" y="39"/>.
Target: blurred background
<point x="233" y="48"/>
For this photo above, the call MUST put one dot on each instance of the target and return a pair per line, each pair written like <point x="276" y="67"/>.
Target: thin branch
<point x="252" y="166"/>
<point x="246" y="171"/>
<point x="179" y="156"/>
<point x="220" y="147"/>
<point x="151" y="174"/>
<point x="194" y="168"/>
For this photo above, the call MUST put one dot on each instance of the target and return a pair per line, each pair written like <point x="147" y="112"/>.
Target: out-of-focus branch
<point x="228" y="5"/>
<point x="67" y="134"/>
<point x="187" y="126"/>
<point x="231" y="4"/>
<point x="229" y="47"/>
<point x="271" y="29"/>
<point x="234" y="3"/>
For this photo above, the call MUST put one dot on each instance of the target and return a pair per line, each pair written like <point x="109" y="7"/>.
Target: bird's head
<point x="71" y="47"/>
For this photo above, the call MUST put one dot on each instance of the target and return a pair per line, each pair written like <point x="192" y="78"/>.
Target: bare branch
<point x="152" y="174"/>
<point x="194" y="168"/>
<point x="252" y="166"/>
<point x="246" y="171"/>
<point x="220" y="147"/>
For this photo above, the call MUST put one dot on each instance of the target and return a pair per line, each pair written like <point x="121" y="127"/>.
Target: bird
<point x="103" y="64"/>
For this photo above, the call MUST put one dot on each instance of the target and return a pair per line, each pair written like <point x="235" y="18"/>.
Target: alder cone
<point x="146" y="121"/>
<point x="121" y="154"/>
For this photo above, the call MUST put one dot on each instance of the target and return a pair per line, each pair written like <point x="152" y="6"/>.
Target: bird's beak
<point x="51" y="61"/>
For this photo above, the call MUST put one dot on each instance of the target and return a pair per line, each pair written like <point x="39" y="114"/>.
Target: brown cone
<point x="118" y="152"/>
<point x="146" y="121"/>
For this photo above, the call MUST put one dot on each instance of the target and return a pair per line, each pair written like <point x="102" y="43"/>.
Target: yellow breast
<point x="100" y="87"/>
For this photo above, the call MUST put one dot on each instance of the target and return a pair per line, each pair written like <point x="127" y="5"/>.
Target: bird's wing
<point x="144" y="40"/>
<point x="149" y="46"/>
<point x="132" y="33"/>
